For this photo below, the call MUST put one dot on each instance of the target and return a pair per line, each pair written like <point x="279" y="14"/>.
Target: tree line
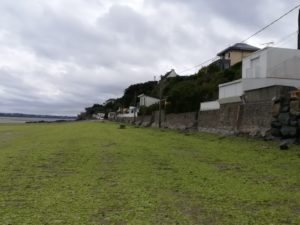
<point x="180" y="94"/>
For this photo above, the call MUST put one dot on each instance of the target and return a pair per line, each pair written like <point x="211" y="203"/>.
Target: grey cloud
<point x="243" y="12"/>
<point x="72" y="56"/>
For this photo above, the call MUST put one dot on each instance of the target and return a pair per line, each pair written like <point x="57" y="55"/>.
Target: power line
<point x="282" y="40"/>
<point x="252" y="35"/>
<point x="270" y="24"/>
<point x="201" y="64"/>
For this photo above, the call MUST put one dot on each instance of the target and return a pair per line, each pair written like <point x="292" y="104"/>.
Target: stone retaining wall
<point x="181" y="121"/>
<point x="144" y="121"/>
<point x="255" y="118"/>
<point x="286" y="117"/>
<point x="251" y="116"/>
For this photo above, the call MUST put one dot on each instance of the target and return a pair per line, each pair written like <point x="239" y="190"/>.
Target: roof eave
<point x="236" y="49"/>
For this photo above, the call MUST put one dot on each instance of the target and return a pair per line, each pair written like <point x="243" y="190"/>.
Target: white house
<point x="130" y="112"/>
<point x="267" y="67"/>
<point x="171" y="73"/>
<point x="147" y="100"/>
<point x="99" y="116"/>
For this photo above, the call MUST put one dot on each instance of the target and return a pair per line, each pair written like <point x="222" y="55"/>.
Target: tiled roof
<point x="239" y="46"/>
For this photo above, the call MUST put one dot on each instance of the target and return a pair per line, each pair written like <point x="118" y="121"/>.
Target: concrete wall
<point x="181" y="121"/>
<point x="272" y="63"/>
<point x="207" y="106"/>
<point x="209" y="120"/>
<point x="144" y="121"/>
<point x="124" y="119"/>
<point x="252" y="84"/>
<point x="230" y="89"/>
<point x="256" y="115"/>
<point x="252" y="116"/>
<point x="283" y="63"/>
<point x="266" y="94"/>
<point x="255" y="118"/>
<point x="229" y="116"/>
<point x="255" y="65"/>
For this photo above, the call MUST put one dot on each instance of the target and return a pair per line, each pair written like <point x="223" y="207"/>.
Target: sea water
<point x="24" y="119"/>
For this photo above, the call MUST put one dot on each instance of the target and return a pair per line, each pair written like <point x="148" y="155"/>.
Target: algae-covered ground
<point x="94" y="173"/>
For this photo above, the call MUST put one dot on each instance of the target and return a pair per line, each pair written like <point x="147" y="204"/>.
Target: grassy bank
<point x="94" y="173"/>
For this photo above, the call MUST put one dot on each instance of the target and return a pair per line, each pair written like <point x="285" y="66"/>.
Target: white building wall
<point x="207" y="106"/>
<point x="255" y="65"/>
<point x="231" y="89"/>
<point x="283" y="63"/>
<point x="264" y="68"/>
<point x="272" y="63"/>
<point x="271" y="66"/>
<point x="151" y="101"/>
<point x="230" y="92"/>
<point x="147" y="101"/>
<point x="126" y="115"/>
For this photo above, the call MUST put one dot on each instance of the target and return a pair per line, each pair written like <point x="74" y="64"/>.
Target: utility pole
<point x="134" y="110"/>
<point x="298" y="31"/>
<point x="159" y="105"/>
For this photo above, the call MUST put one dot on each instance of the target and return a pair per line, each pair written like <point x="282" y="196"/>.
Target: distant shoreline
<point x="21" y="115"/>
<point x="7" y="119"/>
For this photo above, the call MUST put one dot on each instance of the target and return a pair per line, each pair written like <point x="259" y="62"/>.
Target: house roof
<point x="142" y="95"/>
<point x="240" y="47"/>
<point x="171" y="73"/>
<point x="110" y="100"/>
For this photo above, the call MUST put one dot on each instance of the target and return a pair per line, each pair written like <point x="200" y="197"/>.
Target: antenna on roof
<point x="267" y="44"/>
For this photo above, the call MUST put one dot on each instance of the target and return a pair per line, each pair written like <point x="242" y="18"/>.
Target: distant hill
<point x="35" y="116"/>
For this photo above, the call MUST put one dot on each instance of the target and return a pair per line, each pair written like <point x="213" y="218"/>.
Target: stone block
<point x="275" y="109"/>
<point x="284" y="118"/>
<point x="276" y="124"/>
<point x="295" y="108"/>
<point x="285" y="100"/>
<point x="294" y="123"/>
<point x="299" y="123"/>
<point x="284" y="146"/>
<point x="275" y="132"/>
<point x="287" y="132"/>
<point x="285" y="108"/>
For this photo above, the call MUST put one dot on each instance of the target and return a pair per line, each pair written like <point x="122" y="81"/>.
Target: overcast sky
<point x="60" y="56"/>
